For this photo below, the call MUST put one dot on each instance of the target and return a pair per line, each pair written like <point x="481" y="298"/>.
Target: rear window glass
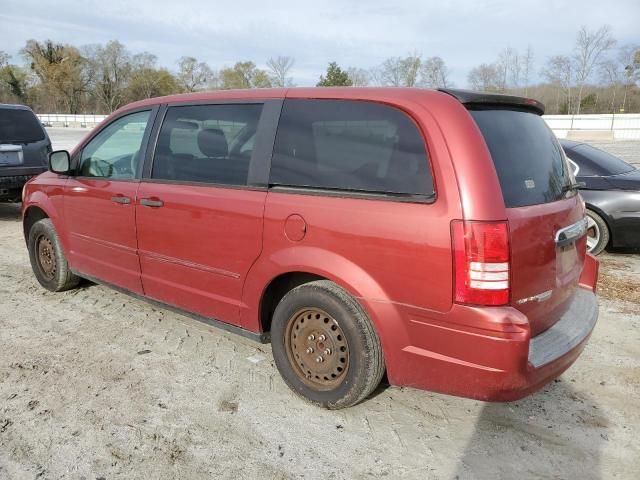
<point x="529" y="160"/>
<point x="603" y="163"/>
<point x="19" y="126"/>
<point x="349" y="145"/>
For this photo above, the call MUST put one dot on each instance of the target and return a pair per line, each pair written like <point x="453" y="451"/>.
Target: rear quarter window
<point x="350" y="146"/>
<point x="528" y="158"/>
<point x="603" y="163"/>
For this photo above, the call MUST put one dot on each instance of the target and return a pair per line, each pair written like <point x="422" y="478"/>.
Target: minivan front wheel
<point x="47" y="258"/>
<point x="325" y="346"/>
<point x="597" y="233"/>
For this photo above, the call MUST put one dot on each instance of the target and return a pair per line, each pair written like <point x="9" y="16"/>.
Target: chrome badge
<point x="541" y="297"/>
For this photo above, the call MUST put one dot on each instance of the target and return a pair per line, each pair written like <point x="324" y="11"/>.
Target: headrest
<point x="213" y="143"/>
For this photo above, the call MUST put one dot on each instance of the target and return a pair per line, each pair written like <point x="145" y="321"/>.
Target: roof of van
<point x="294" y="92"/>
<point x="466" y="97"/>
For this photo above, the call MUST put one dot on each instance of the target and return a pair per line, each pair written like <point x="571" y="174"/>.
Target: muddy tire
<point x="47" y="259"/>
<point x="325" y="346"/>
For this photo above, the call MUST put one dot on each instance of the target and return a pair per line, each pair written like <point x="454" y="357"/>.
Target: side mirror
<point x="60" y="162"/>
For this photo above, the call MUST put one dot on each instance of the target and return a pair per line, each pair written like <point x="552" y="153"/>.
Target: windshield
<point x="530" y="162"/>
<point x="19" y="126"/>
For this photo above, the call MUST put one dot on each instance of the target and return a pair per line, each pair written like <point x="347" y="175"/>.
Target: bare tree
<point x="612" y="75"/>
<point x="508" y="66"/>
<point x="111" y="66"/>
<point x="192" y="75"/>
<point x="486" y="77"/>
<point x="434" y="73"/>
<point x="4" y="59"/>
<point x="390" y="72"/>
<point x="559" y="72"/>
<point x="590" y="45"/>
<point x="279" y="68"/>
<point x="527" y="67"/>
<point x="629" y="59"/>
<point x="399" y="71"/>
<point x="359" y="76"/>
<point x="411" y="69"/>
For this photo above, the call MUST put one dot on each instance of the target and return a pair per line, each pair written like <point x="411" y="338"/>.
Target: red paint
<point x="214" y="250"/>
<point x="295" y="228"/>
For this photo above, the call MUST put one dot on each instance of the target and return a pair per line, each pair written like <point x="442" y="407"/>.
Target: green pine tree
<point x="335" y="77"/>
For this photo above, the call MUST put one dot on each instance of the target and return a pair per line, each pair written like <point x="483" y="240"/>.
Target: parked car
<point x="24" y="149"/>
<point x="434" y="235"/>
<point x="611" y="190"/>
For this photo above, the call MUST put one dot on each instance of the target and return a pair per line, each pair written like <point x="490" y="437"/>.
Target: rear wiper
<point x="573" y="186"/>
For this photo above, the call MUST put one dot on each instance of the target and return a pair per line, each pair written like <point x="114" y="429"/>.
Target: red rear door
<point x="545" y="214"/>
<point x="199" y="221"/>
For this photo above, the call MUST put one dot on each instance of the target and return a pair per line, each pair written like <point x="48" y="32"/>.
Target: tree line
<point x="595" y="75"/>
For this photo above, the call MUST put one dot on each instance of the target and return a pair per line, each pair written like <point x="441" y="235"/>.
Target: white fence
<point x="606" y="126"/>
<point x="616" y="127"/>
<point x="64" y="120"/>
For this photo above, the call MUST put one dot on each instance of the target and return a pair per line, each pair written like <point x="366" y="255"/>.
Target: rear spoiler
<point x="471" y="99"/>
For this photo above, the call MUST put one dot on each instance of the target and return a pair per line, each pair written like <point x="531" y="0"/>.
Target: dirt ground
<point x="97" y="385"/>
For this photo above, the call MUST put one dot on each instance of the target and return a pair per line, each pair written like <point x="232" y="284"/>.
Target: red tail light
<point x="481" y="262"/>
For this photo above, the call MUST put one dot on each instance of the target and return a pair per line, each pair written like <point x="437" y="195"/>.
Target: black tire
<point x="47" y="259"/>
<point x="601" y="227"/>
<point x="327" y="308"/>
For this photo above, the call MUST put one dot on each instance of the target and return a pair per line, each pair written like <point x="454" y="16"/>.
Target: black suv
<point x="24" y="149"/>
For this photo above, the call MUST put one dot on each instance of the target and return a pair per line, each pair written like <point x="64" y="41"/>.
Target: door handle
<point x="149" y="202"/>
<point x="570" y="234"/>
<point x="121" y="199"/>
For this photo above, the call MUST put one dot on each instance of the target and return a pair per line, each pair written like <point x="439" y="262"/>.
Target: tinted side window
<point x="115" y="151"/>
<point x="20" y="126"/>
<point x="207" y="143"/>
<point x="349" y="145"/>
<point x="585" y="166"/>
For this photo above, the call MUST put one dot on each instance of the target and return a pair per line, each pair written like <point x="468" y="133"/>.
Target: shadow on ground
<point x="557" y="433"/>
<point x="9" y="211"/>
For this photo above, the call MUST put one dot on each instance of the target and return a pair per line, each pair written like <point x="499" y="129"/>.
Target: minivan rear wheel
<point x="325" y="346"/>
<point x="47" y="258"/>
<point x="597" y="233"/>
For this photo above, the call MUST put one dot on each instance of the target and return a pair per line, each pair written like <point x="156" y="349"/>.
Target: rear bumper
<point x="12" y="179"/>
<point x="492" y="366"/>
<point x="487" y="353"/>
<point x="567" y="333"/>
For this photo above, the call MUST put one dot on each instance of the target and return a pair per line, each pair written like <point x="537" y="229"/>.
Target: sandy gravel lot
<point x="95" y="384"/>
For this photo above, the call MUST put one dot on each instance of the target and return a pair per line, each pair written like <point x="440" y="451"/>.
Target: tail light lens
<point x="481" y="262"/>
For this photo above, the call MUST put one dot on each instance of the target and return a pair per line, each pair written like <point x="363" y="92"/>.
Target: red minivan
<point x="435" y="236"/>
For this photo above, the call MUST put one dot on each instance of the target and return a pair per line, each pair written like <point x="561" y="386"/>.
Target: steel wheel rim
<point x="46" y="257"/>
<point x="317" y="349"/>
<point x="593" y="233"/>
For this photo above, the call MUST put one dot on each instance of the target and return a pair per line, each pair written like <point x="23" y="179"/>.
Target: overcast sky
<point x="353" y="33"/>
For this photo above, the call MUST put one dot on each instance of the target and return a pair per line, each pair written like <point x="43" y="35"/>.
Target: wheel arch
<point x="32" y="214"/>
<point x="275" y="274"/>
<point x="277" y="288"/>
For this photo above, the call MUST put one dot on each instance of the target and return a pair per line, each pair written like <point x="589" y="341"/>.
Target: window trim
<point x="355" y="194"/>
<point x="77" y="158"/>
<point x="360" y="194"/>
<point x="259" y="165"/>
